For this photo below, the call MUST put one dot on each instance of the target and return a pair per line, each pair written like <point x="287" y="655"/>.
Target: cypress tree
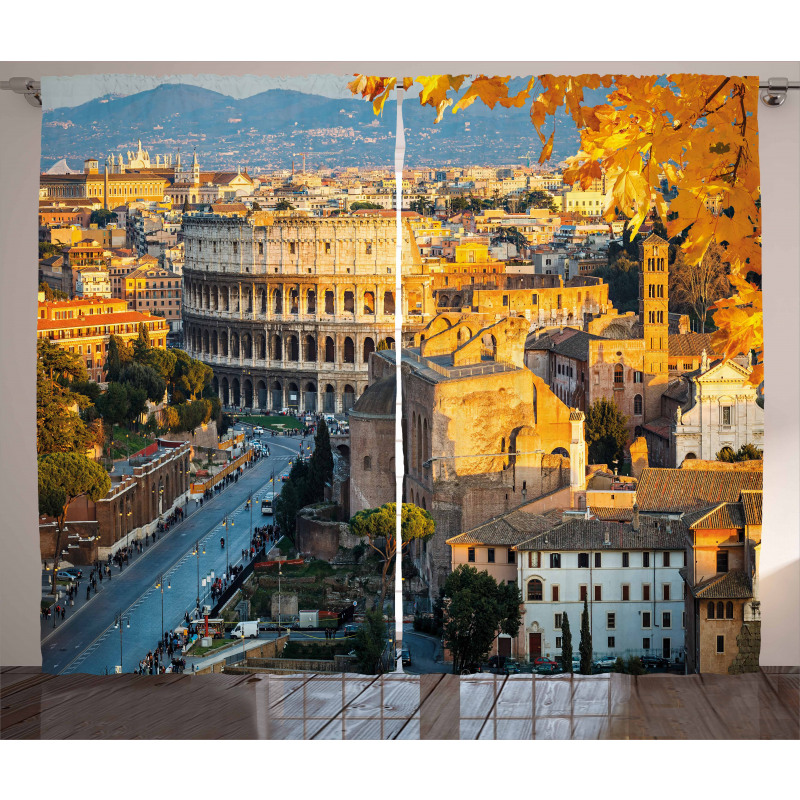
<point x="585" y="647"/>
<point x="113" y="362"/>
<point x="566" y="644"/>
<point x="321" y="465"/>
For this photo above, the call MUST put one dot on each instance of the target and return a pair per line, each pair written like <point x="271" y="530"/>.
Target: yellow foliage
<point x="700" y="132"/>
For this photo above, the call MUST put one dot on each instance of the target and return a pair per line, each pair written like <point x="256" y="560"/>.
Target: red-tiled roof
<point x="94" y="320"/>
<point x="691" y="344"/>
<point x="676" y="490"/>
<point x="720" y="516"/>
<point x="733" y="585"/>
<point x="508" y="529"/>
<point x="751" y="505"/>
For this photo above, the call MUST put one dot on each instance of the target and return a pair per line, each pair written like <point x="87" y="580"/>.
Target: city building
<point x="287" y="308"/>
<point x="150" y="289"/>
<point x="93" y="282"/>
<point x="628" y="574"/>
<point x="84" y="327"/>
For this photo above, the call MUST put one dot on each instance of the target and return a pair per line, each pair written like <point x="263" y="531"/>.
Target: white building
<point x="93" y="283"/>
<point x="627" y="572"/>
<point x="721" y="412"/>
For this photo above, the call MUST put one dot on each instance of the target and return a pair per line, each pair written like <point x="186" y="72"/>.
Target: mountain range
<point x="269" y="130"/>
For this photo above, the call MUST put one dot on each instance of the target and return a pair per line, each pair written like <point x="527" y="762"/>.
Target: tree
<point x="142" y="344"/>
<point x="113" y="365"/>
<point x="377" y="526"/>
<point x="284" y="205"/>
<point x="190" y="377"/>
<point x="63" y="478"/>
<point x="296" y="494"/>
<point x="699" y="131"/>
<point x="255" y="206"/>
<point x="566" y="644"/>
<point x="370" y="642"/>
<point x="699" y="286"/>
<point x="747" y="452"/>
<point x="476" y="609"/>
<point x="321" y="463"/>
<point x="51" y="294"/>
<point x="622" y="277"/>
<point x="49" y="249"/>
<point x="606" y="434"/>
<point x="101" y="217"/>
<point x="585" y="647"/>
<point x="383" y="344"/>
<point x="359" y="204"/>
<point x="142" y="376"/>
<point x="162" y="361"/>
<point x="186" y="206"/>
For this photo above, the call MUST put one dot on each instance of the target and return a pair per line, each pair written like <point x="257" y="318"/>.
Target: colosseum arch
<point x="310" y="397"/>
<point x="330" y="350"/>
<point x="369" y="347"/>
<point x="276" y="390"/>
<point x="349" y="301"/>
<point x="310" y="351"/>
<point x="329" y="302"/>
<point x="262" y="301"/>
<point x="489" y="346"/>
<point x="330" y="399"/>
<point x="277" y="301"/>
<point x="369" y="302"/>
<point x="349" y="351"/>
<point x="388" y="303"/>
<point x="292" y="348"/>
<point x="235" y="345"/>
<point x="293" y="395"/>
<point x="277" y="348"/>
<point x="311" y="302"/>
<point x="261" y="394"/>
<point x="215" y="385"/>
<point x="248" y="393"/>
<point x="214" y="297"/>
<point x="223" y="343"/>
<point x="236" y="393"/>
<point x="225" y="298"/>
<point x="224" y="391"/>
<point x="560" y="451"/>
<point x="262" y="346"/>
<point x="214" y="343"/>
<point x="294" y="300"/>
<point x="206" y="293"/>
<point x="247" y="345"/>
<point x="205" y="346"/>
<point x="348" y="397"/>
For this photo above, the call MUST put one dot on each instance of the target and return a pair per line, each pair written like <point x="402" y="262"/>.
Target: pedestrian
<point x="88" y="590"/>
<point x="63" y="612"/>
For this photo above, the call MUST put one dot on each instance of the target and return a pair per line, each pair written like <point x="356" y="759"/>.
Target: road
<point x="87" y="640"/>
<point x="424" y="651"/>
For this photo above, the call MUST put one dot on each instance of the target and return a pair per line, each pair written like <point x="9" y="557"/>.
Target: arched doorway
<point x="369" y="347"/>
<point x="348" y="398"/>
<point x="224" y="391"/>
<point x="560" y="451"/>
<point x="237" y="396"/>
<point x="261" y="391"/>
<point x="277" y="396"/>
<point x="293" y="396"/>
<point x="330" y="399"/>
<point x="310" y="398"/>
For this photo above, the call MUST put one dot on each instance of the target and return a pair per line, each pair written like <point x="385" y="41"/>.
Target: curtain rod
<point x="774" y="94"/>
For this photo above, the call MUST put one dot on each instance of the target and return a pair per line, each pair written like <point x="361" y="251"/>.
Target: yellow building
<point x="84" y="327"/>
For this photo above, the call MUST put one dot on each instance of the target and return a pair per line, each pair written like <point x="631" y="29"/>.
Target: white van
<point x="245" y="629"/>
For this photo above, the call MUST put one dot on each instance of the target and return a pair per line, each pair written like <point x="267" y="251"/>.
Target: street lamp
<point x="118" y="620"/>
<point x="160" y="585"/>
<point x="197" y="554"/>
<point x="280" y="609"/>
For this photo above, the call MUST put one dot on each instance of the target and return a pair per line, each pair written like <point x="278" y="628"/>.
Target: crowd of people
<point x="164" y="657"/>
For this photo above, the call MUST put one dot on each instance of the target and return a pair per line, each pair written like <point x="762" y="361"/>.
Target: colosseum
<point x="286" y="308"/>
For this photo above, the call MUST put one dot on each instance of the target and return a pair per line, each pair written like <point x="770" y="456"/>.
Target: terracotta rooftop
<point x="92" y="320"/>
<point x="664" y="490"/>
<point x="508" y="529"/>
<point x="691" y="344"/>
<point x="751" y="505"/>
<point x="722" y="515"/>
<point x="733" y="585"/>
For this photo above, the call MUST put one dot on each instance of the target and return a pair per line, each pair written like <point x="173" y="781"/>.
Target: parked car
<point x="497" y="661"/>
<point x="74" y="571"/>
<point x="548" y="668"/>
<point x="541" y="661"/>
<point x="511" y="667"/>
<point x="63" y="575"/>
<point x="405" y="655"/>
<point x="285" y="476"/>
<point x="351" y="629"/>
<point x="258" y="430"/>
<point x="654" y="662"/>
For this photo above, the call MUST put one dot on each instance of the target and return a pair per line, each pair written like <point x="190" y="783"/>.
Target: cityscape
<point x="217" y="386"/>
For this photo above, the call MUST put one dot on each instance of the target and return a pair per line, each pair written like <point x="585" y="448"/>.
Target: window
<point x="292" y="248"/>
<point x="534" y="559"/>
<point x="626" y="592"/>
<point x="584" y="590"/>
<point x="683" y="619"/>
<point x="666" y="559"/>
<point x="369" y="248"/>
<point x="722" y="560"/>
<point x="720" y="609"/>
<point x="554" y="593"/>
<point x="511" y="556"/>
<point x="618" y="376"/>
<point x="666" y="619"/>
<point x="490" y="555"/>
<point x="726" y="415"/>
<point x="471" y="555"/>
<point x="645" y="591"/>
<point x="611" y="643"/>
<point x="626" y="559"/>
<point x="611" y="620"/>
<point x="367" y="463"/>
<point x="557" y="622"/>
<point x="645" y="619"/>
<point x="720" y="644"/>
<point x="598" y="593"/>
<point x="637" y="404"/>
<point x="583" y="560"/>
<point x="555" y="560"/>
<point x="534" y="590"/>
<point x="665" y="592"/>
<point x="645" y="559"/>
<point x="598" y="558"/>
<point x="710" y="611"/>
<point x="646" y="643"/>
<point x="729" y="610"/>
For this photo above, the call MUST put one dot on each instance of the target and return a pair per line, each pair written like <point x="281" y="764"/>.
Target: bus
<point x="267" y="504"/>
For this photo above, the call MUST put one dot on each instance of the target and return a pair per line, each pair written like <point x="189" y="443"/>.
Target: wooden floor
<point x="762" y="705"/>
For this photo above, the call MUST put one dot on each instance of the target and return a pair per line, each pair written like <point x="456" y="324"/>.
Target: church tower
<point x="195" y="181"/>
<point x="654" y="315"/>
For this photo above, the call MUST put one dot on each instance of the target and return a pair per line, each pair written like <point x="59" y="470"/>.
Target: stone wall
<point x="322" y="538"/>
<point x="749" y="644"/>
<point x="270" y="649"/>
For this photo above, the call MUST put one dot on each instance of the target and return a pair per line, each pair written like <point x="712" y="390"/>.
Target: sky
<point x="65" y="91"/>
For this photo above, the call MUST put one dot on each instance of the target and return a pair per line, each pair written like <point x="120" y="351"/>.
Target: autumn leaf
<point x="547" y="150"/>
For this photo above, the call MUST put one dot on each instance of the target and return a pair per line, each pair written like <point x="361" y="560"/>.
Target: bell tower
<point x="654" y="315"/>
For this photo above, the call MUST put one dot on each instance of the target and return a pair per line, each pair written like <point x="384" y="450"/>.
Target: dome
<point x="378" y="399"/>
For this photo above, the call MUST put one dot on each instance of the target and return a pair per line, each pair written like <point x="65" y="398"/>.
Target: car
<point x="541" y="661"/>
<point x="285" y="476"/>
<point x="258" y="430"/>
<point x="405" y="655"/>
<point x="547" y="668"/>
<point x="654" y="662"/>
<point x="511" y="667"/>
<point x="63" y="575"/>
<point x="351" y="629"/>
<point x="75" y="571"/>
<point x="605" y="663"/>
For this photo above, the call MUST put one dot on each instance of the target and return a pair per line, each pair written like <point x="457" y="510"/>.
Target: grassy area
<point x="123" y="445"/>
<point x="216" y="644"/>
<point x="276" y="423"/>
<point x="323" y="649"/>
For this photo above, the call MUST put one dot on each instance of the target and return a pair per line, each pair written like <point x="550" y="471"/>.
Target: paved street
<point x="87" y="641"/>
<point x="424" y="651"/>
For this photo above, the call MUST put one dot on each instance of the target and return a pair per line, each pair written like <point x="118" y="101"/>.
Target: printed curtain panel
<point x="217" y="265"/>
<point x="582" y="367"/>
<point x="562" y="274"/>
